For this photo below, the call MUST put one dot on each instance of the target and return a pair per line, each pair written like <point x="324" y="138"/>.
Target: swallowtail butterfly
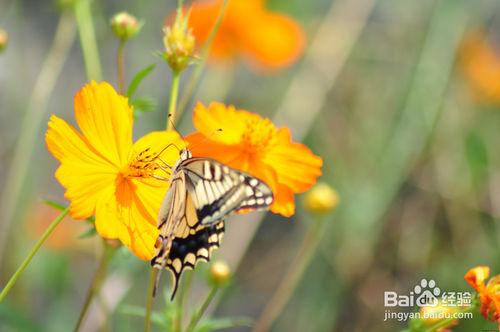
<point x="202" y="193"/>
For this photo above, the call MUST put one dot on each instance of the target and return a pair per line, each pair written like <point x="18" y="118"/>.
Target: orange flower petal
<point x="105" y="119"/>
<point x="273" y="41"/>
<point x="477" y="276"/>
<point x="297" y="167"/>
<point x="284" y="201"/>
<point x="83" y="171"/>
<point x="208" y="120"/>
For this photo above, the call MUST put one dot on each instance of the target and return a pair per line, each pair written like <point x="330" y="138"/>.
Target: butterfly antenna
<point x="206" y="138"/>
<point x="175" y="128"/>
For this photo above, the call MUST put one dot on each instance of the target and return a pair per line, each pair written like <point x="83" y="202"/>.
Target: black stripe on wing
<point x="186" y="252"/>
<point x="219" y="190"/>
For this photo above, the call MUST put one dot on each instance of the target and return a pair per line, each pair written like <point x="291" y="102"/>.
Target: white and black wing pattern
<point x="202" y="193"/>
<point x="218" y="190"/>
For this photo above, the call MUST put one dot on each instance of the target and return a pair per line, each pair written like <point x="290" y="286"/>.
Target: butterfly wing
<point x="183" y="241"/>
<point x="219" y="190"/>
<point x="186" y="252"/>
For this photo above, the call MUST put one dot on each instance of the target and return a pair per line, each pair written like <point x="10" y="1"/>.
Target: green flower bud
<point x="125" y="26"/>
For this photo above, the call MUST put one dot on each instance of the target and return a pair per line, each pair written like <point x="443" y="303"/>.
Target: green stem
<point x="285" y="290"/>
<point x="196" y="75"/>
<point x="199" y="313"/>
<point x="12" y="281"/>
<point x="184" y="287"/>
<point x="174" y="92"/>
<point x="96" y="284"/>
<point x="120" y="62"/>
<point x="149" y="300"/>
<point x="88" y="42"/>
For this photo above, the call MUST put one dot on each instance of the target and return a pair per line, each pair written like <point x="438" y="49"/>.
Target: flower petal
<point x="217" y="117"/>
<point x="477" y="276"/>
<point x="296" y="166"/>
<point x="122" y="215"/>
<point x="273" y="41"/>
<point x="83" y="171"/>
<point x="105" y="119"/>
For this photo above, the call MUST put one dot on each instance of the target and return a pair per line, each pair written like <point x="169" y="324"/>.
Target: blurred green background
<point x="379" y="94"/>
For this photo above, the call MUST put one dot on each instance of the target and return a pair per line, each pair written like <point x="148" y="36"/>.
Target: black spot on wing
<point x="186" y="252"/>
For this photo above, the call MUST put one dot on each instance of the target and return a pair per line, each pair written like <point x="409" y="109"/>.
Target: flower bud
<point x="430" y="315"/>
<point x="219" y="273"/>
<point x="321" y="199"/>
<point x="125" y="26"/>
<point x="179" y="43"/>
<point x="4" y="40"/>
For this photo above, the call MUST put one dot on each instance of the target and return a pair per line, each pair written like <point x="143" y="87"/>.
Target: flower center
<point x="258" y="134"/>
<point x="142" y="165"/>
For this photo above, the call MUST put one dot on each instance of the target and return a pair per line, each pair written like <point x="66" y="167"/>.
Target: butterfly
<point x="201" y="194"/>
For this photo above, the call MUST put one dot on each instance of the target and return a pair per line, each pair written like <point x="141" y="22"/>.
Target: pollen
<point x="258" y="134"/>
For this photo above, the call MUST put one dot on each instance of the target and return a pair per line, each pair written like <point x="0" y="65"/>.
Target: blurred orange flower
<point x="65" y="236"/>
<point x="266" y="39"/>
<point x="489" y="294"/>
<point x="481" y="65"/>
<point x="253" y="144"/>
<point x="105" y="174"/>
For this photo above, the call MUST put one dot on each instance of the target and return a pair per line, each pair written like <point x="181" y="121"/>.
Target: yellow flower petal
<point x="83" y="171"/>
<point x="105" y="119"/>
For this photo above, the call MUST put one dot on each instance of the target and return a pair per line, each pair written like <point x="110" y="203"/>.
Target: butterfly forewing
<point x="220" y="190"/>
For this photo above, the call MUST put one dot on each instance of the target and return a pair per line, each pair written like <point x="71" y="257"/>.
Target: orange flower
<point x="253" y="144"/>
<point x="267" y="40"/>
<point x="489" y="294"/>
<point x="105" y="174"/>
<point x="481" y="65"/>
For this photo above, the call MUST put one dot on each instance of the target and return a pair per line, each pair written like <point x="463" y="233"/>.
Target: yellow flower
<point x="489" y="293"/>
<point x="105" y="174"/>
<point x="253" y="144"/>
<point x="321" y="199"/>
<point x="432" y="315"/>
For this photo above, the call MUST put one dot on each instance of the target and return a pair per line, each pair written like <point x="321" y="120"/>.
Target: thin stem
<point x="149" y="299"/>
<point x="12" y="281"/>
<point x="199" y="313"/>
<point x="96" y="284"/>
<point x="120" y="62"/>
<point x="285" y="290"/>
<point x="184" y="287"/>
<point x="174" y="92"/>
<point x="88" y="42"/>
<point x="196" y="75"/>
<point x="35" y="114"/>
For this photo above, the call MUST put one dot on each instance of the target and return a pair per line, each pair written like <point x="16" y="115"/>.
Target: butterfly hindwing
<point x="186" y="252"/>
<point x="219" y="190"/>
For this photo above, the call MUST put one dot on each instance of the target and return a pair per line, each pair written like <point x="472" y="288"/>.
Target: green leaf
<point x="217" y="324"/>
<point x="143" y="105"/>
<point x="54" y="204"/>
<point x="62" y="207"/>
<point x="88" y="233"/>
<point x="137" y="311"/>
<point x="136" y="81"/>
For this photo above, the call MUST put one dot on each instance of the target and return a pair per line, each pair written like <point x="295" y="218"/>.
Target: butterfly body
<point x="202" y="193"/>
